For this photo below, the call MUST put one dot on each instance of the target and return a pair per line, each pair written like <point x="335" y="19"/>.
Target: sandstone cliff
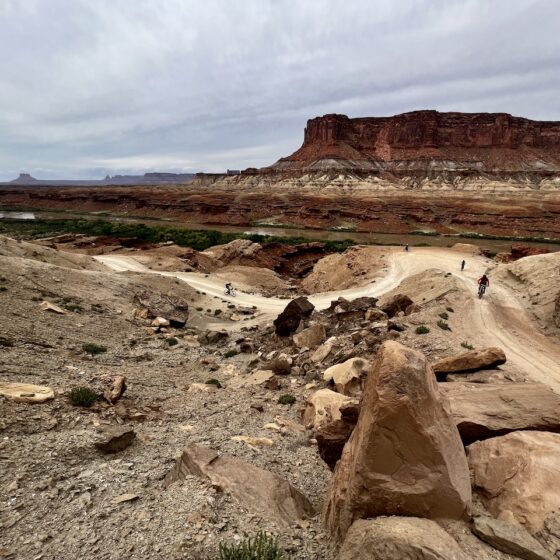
<point x="428" y="142"/>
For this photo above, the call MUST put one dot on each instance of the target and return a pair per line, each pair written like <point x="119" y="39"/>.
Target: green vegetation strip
<point x="199" y="239"/>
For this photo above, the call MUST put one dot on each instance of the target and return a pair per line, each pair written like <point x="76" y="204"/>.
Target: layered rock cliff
<point x="428" y="143"/>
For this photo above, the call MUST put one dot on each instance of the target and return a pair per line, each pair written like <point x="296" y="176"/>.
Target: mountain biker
<point x="406" y="248"/>
<point x="483" y="283"/>
<point x="229" y="288"/>
<point x="463" y="263"/>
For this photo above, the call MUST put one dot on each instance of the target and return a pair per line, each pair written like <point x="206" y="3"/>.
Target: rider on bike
<point x="229" y="289"/>
<point x="483" y="283"/>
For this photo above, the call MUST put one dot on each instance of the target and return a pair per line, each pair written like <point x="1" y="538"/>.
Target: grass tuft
<point x="422" y="329"/>
<point x="93" y="349"/>
<point x="261" y="547"/>
<point x="172" y="341"/>
<point x="467" y="345"/>
<point x="82" y="396"/>
<point x="286" y="399"/>
<point x="215" y="382"/>
<point x="443" y="325"/>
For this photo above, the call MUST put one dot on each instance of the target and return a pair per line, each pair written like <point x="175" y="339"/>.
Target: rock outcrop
<point x="399" y="538"/>
<point x="485" y="410"/>
<point x="427" y="142"/>
<point x="324" y="406"/>
<point x="518" y="476"/>
<point x="405" y="456"/>
<point x="261" y="491"/>
<point x="349" y="376"/>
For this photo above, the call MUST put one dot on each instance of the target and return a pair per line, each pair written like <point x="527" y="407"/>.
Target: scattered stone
<point x="281" y="364"/>
<point x="263" y="492"/>
<point x="375" y="315"/>
<point x="411" y="309"/>
<point x="467" y="362"/>
<point x="254" y="442"/>
<point x="202" y="388"/>
<point x="399" y="538"/>
<point x="288" y="321"/>
<point x="112" y="387"/>
<point x="323" y="351"/>
<point x="26" y="393"/>
<point x="349" y="376"/>
<point x="115" y="438"/>
<point x="175" y="310"/>
<point x="125" y="498"/>
<point x="397" y="303"/>
<point x="212" y="337"/>
<point x="405" y="456"/>
<point x="48" y="306"/>
<point x="310" y="337"/>
<point x="509" y="538"/>
<point x="484" y="410"/>
<point x="160" y="322"/>
<point x="323" y="407"/>
<point x="518" y="473"/>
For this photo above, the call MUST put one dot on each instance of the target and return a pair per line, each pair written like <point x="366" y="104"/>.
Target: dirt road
<point x="499" y="319"/>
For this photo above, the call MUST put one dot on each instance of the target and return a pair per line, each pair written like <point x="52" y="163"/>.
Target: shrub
<point x="443" y="325"/>
<point x="3" y="289"/>
<point x="171" y="341"/>
<point x="467" y="345"/>
<point x="199" y="309"/>
<point x="93" y="349"/>
<point x="214" y="382"/>
<point x="231" y="353"/>
<point x="286" y="399"/>
<point x="444" y="315"/>
<point x="422" y="329"/>
<point x="82" y="396"/>
<point x="450" y="309"/>
<point x="261" y="547"/>
<point x="74" y="307"/>
<point x="132" y="343"/>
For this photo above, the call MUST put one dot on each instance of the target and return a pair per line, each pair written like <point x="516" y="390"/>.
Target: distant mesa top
<point x="428" y="141"/>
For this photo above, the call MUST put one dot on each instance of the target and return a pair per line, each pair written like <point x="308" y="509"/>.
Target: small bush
<point x="422" y="329"/>
<point x="231" y="353"/>
<point x="286" y="399"/>
<point x="199" y="309"/>
<point x="3" y="289"/>
<point x="443" y="325"/>
<point x="132" y="343"/>
<point x="444" y="315"/>
<point x="450" y="309"/>
<point x="93" y="349"/>
<point x="214" y="382"/>
<point x="261" y="547"/>
<point x="171" y="341"/>
<point x="82" y="396"/>
<point x="74" y="307"/>
<point x="467" y="345"/>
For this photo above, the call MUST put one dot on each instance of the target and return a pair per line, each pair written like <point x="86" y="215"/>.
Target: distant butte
<point x="427" y="142"/>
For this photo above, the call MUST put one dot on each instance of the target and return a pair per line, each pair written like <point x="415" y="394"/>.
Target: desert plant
<point x="261" y="547"/>
<point x="74" y="307"/>
<point x="3" y="289"/>
<point x="286" y="399"/>
<point x="215" y="382"/>
<point x="422" y="329"/>
<point x="93" y="349"/>
<point x="171" y="341"/>
<point x="467" y="345"/>
<point x="82" y="396"/>
<point x="231" y="353"/>
<point x="450" y="309"/>
<point x="443" y="325"/>
<point x="444" y="315"/>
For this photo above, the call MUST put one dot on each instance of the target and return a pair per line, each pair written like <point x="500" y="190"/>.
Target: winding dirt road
<point x="499" y="319"/>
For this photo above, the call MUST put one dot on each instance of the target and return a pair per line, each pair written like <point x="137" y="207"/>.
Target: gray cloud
<point x="88" y="88"/>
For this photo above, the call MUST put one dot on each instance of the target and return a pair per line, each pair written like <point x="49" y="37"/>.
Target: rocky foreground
<point x="348" y="432"/>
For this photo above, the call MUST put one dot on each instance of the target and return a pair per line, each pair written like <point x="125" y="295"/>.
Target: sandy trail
<point x="499" y="319"/>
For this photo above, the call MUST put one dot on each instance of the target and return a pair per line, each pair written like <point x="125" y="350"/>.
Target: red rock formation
<point x="428" y="141"/>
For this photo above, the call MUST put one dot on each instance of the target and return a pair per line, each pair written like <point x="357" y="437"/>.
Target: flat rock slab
<point x="509" y="538"/>
<point x="26" y="393"/>
<point x="261" y="491"/>
<point x="468" y="362"/>
<point x="399" y="538"/>
<point x="113" y="439"/>
<point x="484" y="410"/>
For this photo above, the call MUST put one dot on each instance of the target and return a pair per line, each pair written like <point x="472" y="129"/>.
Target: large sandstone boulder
<point x="509" y="538"/>
<point x="484" y="410"/>
<point x="518" y="476"/>
<point x="174" y="309"/>
<point x="399" y="538"/>
<point x="349" y="376"/>
<point x="399" y="302"/>
<point x="24" y="392"/>
<point x="288" y="321"/>
<point x="467" y="362"/>
<point x="405" y="456"/>
<point x="323" y="407"/>
<point x="261" y="491"/>
<point x="310" y="337"/>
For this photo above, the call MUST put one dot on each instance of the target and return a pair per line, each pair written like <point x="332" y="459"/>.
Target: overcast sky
<point x="90" y="87"/>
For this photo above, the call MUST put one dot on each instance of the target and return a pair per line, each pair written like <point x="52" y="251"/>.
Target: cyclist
<point x="483" y="283"/>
